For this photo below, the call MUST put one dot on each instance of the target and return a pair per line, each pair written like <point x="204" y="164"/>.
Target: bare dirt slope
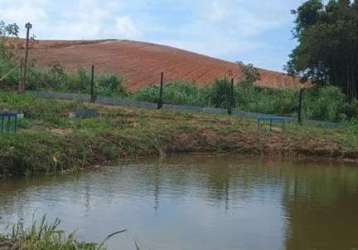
<point x="141" y="63"/>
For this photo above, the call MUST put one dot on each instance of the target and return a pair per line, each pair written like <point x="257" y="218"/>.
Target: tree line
<point x="327" y="51"/>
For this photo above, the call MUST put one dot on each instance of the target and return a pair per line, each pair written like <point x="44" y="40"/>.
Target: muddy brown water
<point x="198" y="202"/>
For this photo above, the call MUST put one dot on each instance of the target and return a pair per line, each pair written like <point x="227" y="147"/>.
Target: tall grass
<point x="7" y="64"/>
<point x="44" y="236"/>
<point x="176" y="92"/>
<point x="56" y="78"/>
<point x="328" y="103"/>
<point x="321" y="103"/>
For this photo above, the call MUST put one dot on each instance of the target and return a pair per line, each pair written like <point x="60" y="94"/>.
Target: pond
<point x="197" y="202"/>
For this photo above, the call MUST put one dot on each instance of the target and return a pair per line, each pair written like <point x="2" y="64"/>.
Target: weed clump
<point x="43" y="236"/>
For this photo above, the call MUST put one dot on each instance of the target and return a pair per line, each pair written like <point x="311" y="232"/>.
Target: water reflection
<point x="199" y="202"/>
<point x="322" y="208"/>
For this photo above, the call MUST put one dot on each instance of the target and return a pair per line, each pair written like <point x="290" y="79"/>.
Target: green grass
<point x="324" y="103"/>
<point x="48" y="141"/>
<point x="44" y="236"/>
<point x="56" y="78"/>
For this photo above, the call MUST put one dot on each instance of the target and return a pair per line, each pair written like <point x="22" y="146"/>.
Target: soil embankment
<point x="141" y="63"/>
<point x="49" y="140"/>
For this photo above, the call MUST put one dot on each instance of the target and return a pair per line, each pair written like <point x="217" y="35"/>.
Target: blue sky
<point x="252" y="31"/>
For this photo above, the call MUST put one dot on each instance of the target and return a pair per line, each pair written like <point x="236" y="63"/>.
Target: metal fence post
<point x="21" y="74"/>
<point x="93" y="96"/>
<point x="300" y="106"/>
<point x="231" y="98"/>
<point x="160" y="101"/>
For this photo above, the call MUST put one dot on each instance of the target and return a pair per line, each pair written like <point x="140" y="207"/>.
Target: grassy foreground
<point x="48" y="140"/>
<point x="43" y="236"/>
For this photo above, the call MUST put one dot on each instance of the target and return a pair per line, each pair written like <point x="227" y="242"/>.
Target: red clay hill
<point x="141" y="63"/>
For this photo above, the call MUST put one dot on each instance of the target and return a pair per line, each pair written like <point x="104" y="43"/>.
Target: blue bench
<point x="271" y="120"/>
<point x="8" y="122"/>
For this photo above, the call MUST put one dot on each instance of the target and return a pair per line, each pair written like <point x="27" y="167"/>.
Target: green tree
<point x="249" y="73"/>
<point x="220" y="92"/>
<point x="7" y="58"/>
<point x="327" y="51"/>
<point x="8" y="30"/>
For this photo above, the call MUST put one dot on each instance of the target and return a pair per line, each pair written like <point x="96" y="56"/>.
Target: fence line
<point x="126" y="102"/>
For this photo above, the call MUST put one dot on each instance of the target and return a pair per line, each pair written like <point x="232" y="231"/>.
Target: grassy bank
<point x="49" y="141"/>
<point x="43" y="236"/>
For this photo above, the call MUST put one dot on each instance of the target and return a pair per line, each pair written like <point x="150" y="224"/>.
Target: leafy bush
<point x="263" y="100"/>
<point x="351" y="110"/>
<point x="327" y="103"/>
<point x="324" y="103"/>
<point x="44" y="236"/>
<point x="110" y="85"/>
<point x="147" y="94"/>
<point x="177" y="92"/>
<point x="219" y="94"/>
<point x="7" y="65"/>
<point x="57" y="79"/>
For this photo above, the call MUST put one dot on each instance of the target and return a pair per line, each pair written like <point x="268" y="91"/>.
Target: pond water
<point x="198" y="202"/>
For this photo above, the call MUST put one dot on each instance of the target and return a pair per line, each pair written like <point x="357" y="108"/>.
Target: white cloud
<point x="21" y="12"/>
<point x="245" y="18"/>
<point x="76" y="19"/>
<point x="93" y="19"/>
<point x="126" y="28"/>
<point x="218" y="11"/>
<point x="220" y="28"/>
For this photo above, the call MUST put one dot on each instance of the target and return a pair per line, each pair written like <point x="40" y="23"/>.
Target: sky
<point x="251" y="31"/>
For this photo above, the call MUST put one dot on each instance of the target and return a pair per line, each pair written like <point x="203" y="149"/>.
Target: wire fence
<point x="126" y="102"/>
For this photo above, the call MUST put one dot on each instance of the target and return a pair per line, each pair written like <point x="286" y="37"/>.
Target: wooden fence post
<point x="93" y="95"/>
<point x="160" y="101"/>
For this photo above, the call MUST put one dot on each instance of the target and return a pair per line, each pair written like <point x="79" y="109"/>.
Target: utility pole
<point x="28" y="26"/>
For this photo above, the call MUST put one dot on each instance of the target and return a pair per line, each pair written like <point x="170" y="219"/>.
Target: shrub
<point x="57" y="79"/>
<point x="351" y="110"/>
<point x="110" y="85"/>
<point x="264" y="100"/>
<point x="8" y="64"/>
<point x="147" y="94"/>
<point x="45" y="236"/>
<point x="219" y="93"/>
<point x="325" y="103"/>
<point x="177" y="92"/>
